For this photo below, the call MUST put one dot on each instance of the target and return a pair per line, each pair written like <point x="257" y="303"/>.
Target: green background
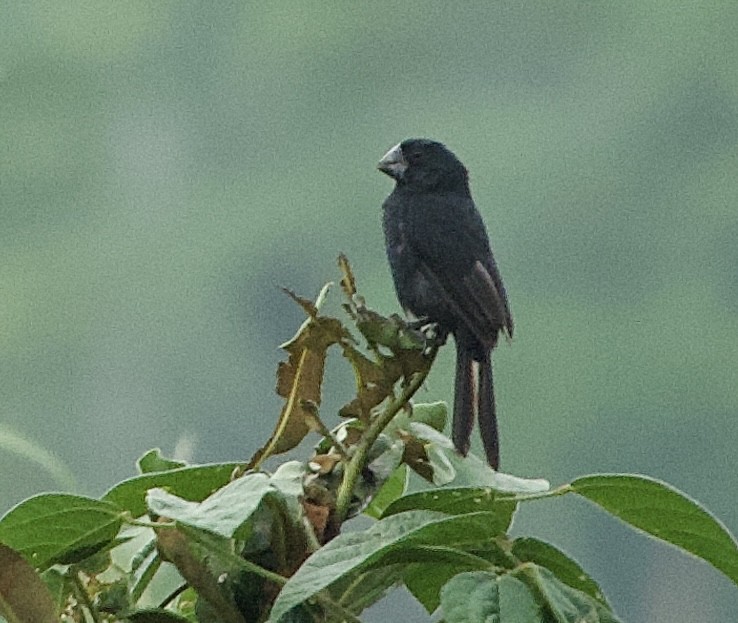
<point x="166" y="166"/>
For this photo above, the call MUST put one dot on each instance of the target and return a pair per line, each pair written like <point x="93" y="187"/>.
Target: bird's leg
<point x="417" y="324"/>
<point x="434" y="334"/>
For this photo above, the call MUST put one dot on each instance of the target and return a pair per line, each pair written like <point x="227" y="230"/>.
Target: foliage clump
<point x="232" y="543"/>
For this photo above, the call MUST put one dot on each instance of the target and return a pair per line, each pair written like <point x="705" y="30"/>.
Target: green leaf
<point x="231" y="512"/>
<point x="355" y="552"/>
<point x="191" y="483"/>
<point x="567" y="570"/>
<point x="391" y="332"/>
<point x="517" y="603"/>
<point x="143" y="572"/>
<point x="288" y="478"/>
<point x="392" y="489"/>
<point x="208" y="564"/>
<point x="433" y="414"/>
<point x="438" y="555"/>
<point x="153" y="461"/>
<point x="359" y="592"/>
<point x="482" y="596"/>
<point x="457" y="501"/>
<point x="224" y="512"/>
<point x="113" y="597"/>
<point x="384" y="457"/>
<point x="450" y="468"/>
<point x="565" y="604"/>
<point x="58" y="586"/>
<point x="471" y="597"/>
<point x="666" y="513"/>
<point x="186" y="605"/>
<point x="425" y="582"/>
<point x="24" y="597"/>
<point x="60" y="528"/>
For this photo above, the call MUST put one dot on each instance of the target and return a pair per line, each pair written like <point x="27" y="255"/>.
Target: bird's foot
<point x="433" y="333"/>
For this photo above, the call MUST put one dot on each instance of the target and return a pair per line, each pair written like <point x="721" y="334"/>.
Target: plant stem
<point x="358" y="461"/>
<point x="338" y="611"/>
<point x="316" y="423"/>
<point x="82" y="597"/>
<point x="173" y="595"/>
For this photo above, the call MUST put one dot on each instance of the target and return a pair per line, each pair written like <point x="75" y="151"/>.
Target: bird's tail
<point x="486" y="412"/>
<point x="463" y="400"/>
<point x="469" y="400"/>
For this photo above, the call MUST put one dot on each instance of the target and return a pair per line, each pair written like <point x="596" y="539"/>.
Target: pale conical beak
<point x="393" y="163"/>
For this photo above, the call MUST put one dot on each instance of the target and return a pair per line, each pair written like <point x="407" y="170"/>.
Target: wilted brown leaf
<point x="317" y="515"/>
<point x="348" y="283"/>
<point x="415" y="457"/>
<point x="299" y="379"/>
<point x="23" y="595"/>
<point x="324" y="463"/>
<point x="310" y="308"/>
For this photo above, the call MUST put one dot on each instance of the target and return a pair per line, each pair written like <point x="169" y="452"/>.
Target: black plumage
<point x="444" y="272"/>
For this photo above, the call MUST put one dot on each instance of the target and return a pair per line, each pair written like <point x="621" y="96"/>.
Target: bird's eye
<point x="414" y="157"/>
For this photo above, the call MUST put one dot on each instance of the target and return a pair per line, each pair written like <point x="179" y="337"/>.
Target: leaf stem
<point x="242" y="563"/>
<point x="339" y="612"/>
<point x="358" y="460"/>
<point x="82" y="596"/>
<point x="525" y="497"/>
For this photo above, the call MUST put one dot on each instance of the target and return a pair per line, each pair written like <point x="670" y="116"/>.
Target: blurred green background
<point x="165" y="166"/>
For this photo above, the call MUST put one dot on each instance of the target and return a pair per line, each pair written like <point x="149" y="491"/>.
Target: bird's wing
<point x="460" y="265"/>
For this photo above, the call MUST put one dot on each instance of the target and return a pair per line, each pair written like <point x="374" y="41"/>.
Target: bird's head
<point x="423" y="164"/>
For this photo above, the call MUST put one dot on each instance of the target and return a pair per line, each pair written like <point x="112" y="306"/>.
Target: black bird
<point x="444" y="273"/>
